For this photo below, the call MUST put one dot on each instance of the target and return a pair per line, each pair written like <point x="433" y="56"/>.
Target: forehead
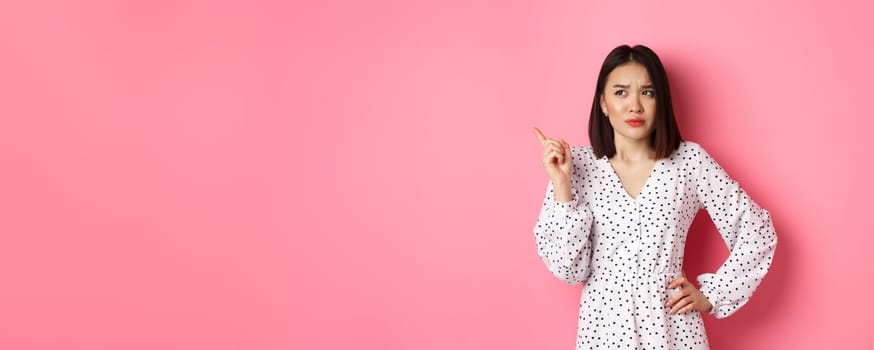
<point x="629" y="73"/>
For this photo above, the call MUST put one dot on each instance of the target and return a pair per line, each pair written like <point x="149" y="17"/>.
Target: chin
<point x="637" y="135"/>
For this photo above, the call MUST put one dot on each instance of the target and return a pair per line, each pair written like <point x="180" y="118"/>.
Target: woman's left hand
<point x="688" y="298"/>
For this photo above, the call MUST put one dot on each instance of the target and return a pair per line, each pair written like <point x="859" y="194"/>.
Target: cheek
<point x="650" y="105"/>
<point x="615" y="106"/>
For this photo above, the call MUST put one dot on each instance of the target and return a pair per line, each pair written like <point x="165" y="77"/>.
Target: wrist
<point x="562" y="193"/>
<point x="562" y="183"/>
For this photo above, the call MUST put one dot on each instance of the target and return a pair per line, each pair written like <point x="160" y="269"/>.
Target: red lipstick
<point x="635" y="123"/>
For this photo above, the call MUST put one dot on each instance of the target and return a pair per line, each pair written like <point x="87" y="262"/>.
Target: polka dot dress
<point x="627" y="250"/>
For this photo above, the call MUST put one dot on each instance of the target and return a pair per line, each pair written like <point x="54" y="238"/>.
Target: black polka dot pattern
<point x="628" y="250"/>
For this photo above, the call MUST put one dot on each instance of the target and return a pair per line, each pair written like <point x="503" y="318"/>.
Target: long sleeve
<point x="746" y="229"/>
<point x="563" y="235"/>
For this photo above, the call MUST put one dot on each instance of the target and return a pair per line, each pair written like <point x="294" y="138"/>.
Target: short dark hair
<point x="665" y="137"/>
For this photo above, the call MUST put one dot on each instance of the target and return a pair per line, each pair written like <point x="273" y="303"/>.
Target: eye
<point x="619" y="93"/>
<point x="649" y="93"/>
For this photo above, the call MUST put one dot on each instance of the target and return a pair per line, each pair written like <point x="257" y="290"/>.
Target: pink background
<point x="327" y="175"/>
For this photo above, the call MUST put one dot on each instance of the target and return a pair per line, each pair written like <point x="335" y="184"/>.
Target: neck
<point x="633" y="150"/>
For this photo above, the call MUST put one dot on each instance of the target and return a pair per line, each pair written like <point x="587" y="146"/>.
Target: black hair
<point x="665" y="137"/>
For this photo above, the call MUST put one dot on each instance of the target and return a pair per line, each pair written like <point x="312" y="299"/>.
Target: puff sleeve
<point x="748" y="232"/>
<point x="563" y="232"/>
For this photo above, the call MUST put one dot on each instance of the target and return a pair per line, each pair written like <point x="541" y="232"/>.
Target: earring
<point x="605" y="113"/>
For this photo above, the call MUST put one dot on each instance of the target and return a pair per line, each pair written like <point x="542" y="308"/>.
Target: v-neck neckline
<point x="646" y="184"/>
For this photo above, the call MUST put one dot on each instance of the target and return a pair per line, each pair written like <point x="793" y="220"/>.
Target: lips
<point x="634" y="122"/>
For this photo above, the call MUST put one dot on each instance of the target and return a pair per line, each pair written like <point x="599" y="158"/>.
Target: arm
<point x="562" y="235"/>
<point x="747" y="231"/>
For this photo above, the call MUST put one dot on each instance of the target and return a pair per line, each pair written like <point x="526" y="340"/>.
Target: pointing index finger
<point x="540" y="136"/>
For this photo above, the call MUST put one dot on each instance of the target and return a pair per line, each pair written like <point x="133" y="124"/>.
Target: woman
<point x="616" y="215"/>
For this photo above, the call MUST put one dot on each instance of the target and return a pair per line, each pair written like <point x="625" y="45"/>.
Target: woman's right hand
<point x="557" y="160"/>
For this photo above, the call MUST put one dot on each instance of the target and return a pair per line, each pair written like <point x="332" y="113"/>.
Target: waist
<point x="615" y="276"/>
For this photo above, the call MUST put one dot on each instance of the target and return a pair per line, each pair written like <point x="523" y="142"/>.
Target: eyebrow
<point x="647" y="86"/>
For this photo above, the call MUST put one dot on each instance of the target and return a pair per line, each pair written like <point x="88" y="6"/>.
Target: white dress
<point x="628" y="250"/>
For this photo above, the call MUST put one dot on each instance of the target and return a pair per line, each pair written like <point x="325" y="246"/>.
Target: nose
<point x="635" y="106"/>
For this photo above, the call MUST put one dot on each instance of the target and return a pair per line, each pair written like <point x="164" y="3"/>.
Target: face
<point x="629" y="101"/>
